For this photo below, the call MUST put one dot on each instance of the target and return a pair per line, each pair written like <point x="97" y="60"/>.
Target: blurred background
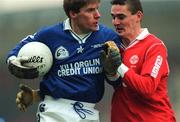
<point x="19" y="18"/>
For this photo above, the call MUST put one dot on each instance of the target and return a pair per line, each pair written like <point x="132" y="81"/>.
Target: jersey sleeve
<point x="29" y="38"/>
<point x="111" y="35"/>
<point x="154" y="69"/>
<point x="115" y="83"/>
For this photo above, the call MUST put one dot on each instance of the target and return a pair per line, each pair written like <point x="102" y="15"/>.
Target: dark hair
<point x="134" y="5"/>
<point x="76" y="5"/>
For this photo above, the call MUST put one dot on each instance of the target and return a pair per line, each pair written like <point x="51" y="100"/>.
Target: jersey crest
<point x="134" y="59"/>
<point x="61" y="53"/>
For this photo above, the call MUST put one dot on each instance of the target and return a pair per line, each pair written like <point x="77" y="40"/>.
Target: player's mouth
<point x="95" y="24"/>
<point x="119" y="29"/>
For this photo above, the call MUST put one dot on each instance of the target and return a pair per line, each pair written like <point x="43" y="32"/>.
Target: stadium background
<point x="24" y="17"/>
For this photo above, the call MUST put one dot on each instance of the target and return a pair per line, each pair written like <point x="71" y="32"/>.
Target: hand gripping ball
<point x="39" y="55"/>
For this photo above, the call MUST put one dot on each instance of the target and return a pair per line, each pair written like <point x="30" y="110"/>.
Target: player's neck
<point x="130" y="38"/>
<point x="76" y="29"/>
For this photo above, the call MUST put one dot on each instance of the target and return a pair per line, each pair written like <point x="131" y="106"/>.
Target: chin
<point x="94" y="29"/>
<point x="120" y="34"/>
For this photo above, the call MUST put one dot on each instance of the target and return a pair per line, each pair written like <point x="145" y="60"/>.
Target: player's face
<point x="87" y="19"/>
<point x="126" y="24"/>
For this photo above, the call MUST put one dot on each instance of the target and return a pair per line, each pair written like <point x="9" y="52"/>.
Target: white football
<point x="39" y="55"/>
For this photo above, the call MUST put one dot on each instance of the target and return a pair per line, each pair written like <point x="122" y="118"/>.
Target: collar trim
<point x="143" y="34"/>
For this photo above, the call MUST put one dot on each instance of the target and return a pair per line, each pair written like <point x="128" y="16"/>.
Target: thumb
<point x="23" y="59"/>
<point x="102" y="55"/>
<point x="25" y="88"/>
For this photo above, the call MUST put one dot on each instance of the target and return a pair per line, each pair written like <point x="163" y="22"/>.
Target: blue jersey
<point x="76" y="72"/>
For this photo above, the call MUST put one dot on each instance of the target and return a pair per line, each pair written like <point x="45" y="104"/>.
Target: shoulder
<point x="104" y="28"/>
<point x="48" y="31"/>
<point x="154" y="43"/>
<point x="51" y="28"/>
<point x="153" y="39"/>
<point x="106" y="32"/>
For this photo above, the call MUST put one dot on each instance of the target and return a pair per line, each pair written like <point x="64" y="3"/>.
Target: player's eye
<point x="119" y="16"/>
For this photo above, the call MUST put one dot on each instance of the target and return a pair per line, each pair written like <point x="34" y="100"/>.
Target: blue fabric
<point x="76" y="72"/>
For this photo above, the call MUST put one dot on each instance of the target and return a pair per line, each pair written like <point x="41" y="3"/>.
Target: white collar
<point x="67" y="25"/>
<point x="144" y="33"/>
<point x="81" y="38"/>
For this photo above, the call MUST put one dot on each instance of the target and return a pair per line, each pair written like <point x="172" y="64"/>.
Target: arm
<point x="15" y="64"/>
<point x="154" y="71"/>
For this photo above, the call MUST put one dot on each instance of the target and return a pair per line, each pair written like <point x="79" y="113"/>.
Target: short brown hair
<point x="76" y="5"/>
<point x="134" y="5"/>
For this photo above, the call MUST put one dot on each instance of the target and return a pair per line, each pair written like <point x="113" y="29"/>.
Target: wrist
<point x="10" y="59"/>
<point x="122" y="69"/>
<point x="35" y="96"/>
<point x="113" y="77"/>
<point x="110" y="73"/>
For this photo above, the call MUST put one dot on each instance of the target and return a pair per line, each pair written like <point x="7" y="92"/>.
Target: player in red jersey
<point x="140" y="79"/>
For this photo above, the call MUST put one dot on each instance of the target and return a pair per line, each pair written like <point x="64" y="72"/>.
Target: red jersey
<point x="142" y="95"/>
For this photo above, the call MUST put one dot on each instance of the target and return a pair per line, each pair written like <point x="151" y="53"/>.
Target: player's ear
<point x="72" y="14"/>
<point x="139" y="15"/>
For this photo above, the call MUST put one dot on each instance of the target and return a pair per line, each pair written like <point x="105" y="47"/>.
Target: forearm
<point x="142" y="84"/>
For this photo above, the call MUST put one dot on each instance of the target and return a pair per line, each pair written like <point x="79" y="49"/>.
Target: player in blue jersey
<point x="69" y="91"/>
